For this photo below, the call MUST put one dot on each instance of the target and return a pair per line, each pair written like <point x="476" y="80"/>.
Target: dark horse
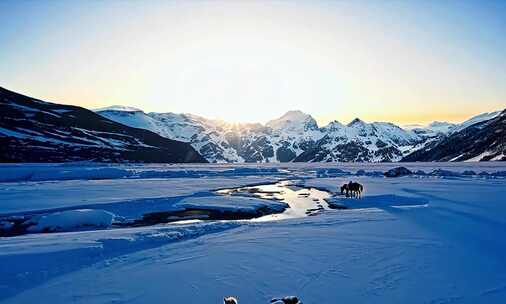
<point x="352" y="189"/>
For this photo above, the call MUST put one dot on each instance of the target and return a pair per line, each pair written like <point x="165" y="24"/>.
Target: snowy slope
<point x="206" y="136"/>
<point x="475" y="119"/>
<point x="361" y="141"/>
<point x="481" y="141"/>
<point x="32" y="130"/>
<point x="295" y="136"/>
<point x="436" y="128"/>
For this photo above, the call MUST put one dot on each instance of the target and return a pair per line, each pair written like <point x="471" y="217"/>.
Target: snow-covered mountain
<point x="361" y="141"/>
<point x="474" y="120"/>
<point x="480" y="138"/>
<point x="439" y="128"/>
<point x="295" y="136"/>
<point x="32" y="130"/>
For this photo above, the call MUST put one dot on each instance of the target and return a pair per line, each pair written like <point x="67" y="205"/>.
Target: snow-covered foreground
<point x="413" y="239"/>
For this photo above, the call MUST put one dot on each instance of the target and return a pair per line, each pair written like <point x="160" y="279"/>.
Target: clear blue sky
<point x="401" y="61"/>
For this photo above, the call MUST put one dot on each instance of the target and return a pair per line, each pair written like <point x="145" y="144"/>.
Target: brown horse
<point x="352" y="189"/>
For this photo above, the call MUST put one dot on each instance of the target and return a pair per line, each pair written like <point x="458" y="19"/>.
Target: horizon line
<point x="321" y="122"/>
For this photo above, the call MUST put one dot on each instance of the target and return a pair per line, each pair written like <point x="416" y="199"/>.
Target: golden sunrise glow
<point x="253" y="61"/>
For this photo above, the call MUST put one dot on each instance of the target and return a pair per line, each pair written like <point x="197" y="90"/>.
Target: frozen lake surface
<point x="302" y="201"/>
<point x="436" y="237"/>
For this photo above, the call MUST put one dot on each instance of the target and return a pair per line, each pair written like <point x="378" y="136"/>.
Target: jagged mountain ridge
<point x="33" y="130"/>
<point x="37" y="131"/>
<point x="295" y="136"/>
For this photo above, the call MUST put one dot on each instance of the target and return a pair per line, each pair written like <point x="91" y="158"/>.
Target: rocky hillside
<point x="32" y="130"/>
<point x="484" y="140"/>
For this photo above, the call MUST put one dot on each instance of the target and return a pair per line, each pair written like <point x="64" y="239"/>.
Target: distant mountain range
<point x="480" y="140"/>
<point x="32" y="130"/>
<point x="294" y="137"/>
<point x="35" y="131"/>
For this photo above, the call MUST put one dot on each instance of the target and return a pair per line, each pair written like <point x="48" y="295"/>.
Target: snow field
<point x="412" y="239"/>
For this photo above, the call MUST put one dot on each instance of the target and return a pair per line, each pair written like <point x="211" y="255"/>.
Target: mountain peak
<point x="356" y="121"/>
<point x="294" y="120"/>
<point x="335" y="122"/>
<point x="476" y="119"/>
<point x="294" y="115"/>
<point x="412" y="126"/>
<point x="436" y="124"/>
<point x="118" y="108"/>
<point x="334" y="125"/>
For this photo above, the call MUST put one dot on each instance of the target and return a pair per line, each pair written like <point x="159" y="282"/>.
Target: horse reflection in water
<point x="352" y="189"/>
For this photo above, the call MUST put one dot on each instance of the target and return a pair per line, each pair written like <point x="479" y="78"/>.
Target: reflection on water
<point x="302" y="201"/>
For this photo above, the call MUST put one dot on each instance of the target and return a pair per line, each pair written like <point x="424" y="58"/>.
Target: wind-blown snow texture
<point x="293" y="137"/>
<point x="425" y="238"/>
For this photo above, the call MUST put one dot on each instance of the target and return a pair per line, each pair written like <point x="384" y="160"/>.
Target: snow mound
<point x="71" y="220"/>
<point x="332" y="172"/>
<point x="286" y="300"/>
<point x="442" y="172"/>
<point x="231" y="203"/>
<point x="363" y="172"/>
<point x="398" y="171"/>
<point x="360" y="172"/>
